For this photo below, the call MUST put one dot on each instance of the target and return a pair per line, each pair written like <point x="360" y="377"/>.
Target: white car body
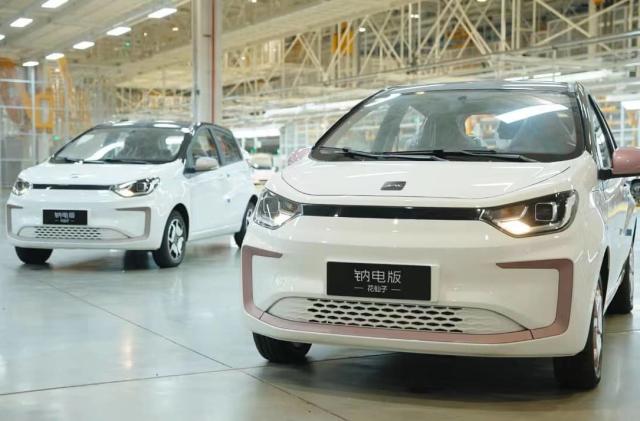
<point x="213" y="203"/>
<point x="494" y="294"/>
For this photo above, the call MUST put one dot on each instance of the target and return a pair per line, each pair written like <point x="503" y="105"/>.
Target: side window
<point x="600" y="136"/>
<point x="229" y="149"/>
<point x="202" y="145"/>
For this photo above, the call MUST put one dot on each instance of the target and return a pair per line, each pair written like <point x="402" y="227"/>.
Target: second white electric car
<point x="485" y="219"/>
<point x="133" y="185"/>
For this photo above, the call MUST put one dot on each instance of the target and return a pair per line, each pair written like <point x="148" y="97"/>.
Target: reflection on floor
<point x="107" y="335"/>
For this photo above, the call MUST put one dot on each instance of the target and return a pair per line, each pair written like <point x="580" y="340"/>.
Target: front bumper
<point x="112" y="222"/>
<point x="537" y="291"/>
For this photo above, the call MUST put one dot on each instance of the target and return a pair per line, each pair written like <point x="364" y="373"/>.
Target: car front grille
<point x="62" y="232"/>
<point x="392" y="315"/>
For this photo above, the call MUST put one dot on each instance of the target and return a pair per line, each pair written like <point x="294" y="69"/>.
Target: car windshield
<point x="458" y="125"/>
<point x="136" y="145"/>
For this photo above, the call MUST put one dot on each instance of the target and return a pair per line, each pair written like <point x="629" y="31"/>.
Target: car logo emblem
<point x="394" y="185"/>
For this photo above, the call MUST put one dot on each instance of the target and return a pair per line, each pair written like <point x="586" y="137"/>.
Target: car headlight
<point x="273" y="211"/>
<point x="534" y="217"/>
<point x="20" y="187"/>
<point x="136" y="188"/>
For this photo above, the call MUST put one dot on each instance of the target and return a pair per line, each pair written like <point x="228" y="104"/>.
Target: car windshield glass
<point x="459" y="125"/>
<point x="124" y="145"/>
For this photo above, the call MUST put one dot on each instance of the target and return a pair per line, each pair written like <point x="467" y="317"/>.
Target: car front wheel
<point x="278" y="351"/>
<point x="239" y="236"/>
<point x="583" y="371"/>
<point x="174" y="242"/>
<point x="33" y="256"/>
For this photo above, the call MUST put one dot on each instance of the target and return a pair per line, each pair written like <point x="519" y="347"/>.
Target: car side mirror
<point x="204" y="163"/>
<point x="625" y="163"/>
<point x="298" y="154"/>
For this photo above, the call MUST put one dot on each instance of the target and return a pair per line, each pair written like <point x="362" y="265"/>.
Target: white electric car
<point x="133" y="185"/>
<point x="482" y="219"/>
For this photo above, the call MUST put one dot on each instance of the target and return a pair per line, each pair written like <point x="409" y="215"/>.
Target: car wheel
<point x="583" y="371"/>
<point x="622" y="302"/>
<point x="278" y="351"/>
<point x="33" y="256"/>
<point x="239" y="236"/>
<point x="174" y="242"/>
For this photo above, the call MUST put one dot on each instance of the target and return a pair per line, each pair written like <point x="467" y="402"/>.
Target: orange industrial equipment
<point x="342" y="40"/>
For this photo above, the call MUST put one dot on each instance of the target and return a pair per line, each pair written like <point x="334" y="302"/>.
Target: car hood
<point x="90" y="174"/>
<point x="440" y="179"/>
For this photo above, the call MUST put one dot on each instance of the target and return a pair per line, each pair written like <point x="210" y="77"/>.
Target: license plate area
<point x="64" y="217"/>
<point x="372" y="280"/>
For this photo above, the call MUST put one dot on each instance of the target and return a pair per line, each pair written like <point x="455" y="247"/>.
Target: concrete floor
<point x="106" y="335"/>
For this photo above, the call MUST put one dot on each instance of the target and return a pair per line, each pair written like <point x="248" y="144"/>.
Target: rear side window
<point x="229" y="149"/>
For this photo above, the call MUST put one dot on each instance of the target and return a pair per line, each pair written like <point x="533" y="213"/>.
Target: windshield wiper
<point x="384" y="155"/>
<point x="64" y="159"/>
<point x="473" y="152"/>
<point x="117" y="161"/>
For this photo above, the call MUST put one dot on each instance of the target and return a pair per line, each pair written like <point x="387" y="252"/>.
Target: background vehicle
<point x="133" y="185"/>
<point x="263" y="167"/>
<point x="484" y="219"/>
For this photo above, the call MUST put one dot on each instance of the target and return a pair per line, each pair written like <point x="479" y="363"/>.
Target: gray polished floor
<point x="106" y="335"/>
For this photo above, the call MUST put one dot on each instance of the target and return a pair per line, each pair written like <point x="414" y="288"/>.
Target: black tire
<point x="246" y="220"/>
<point x="33" y="256"/>
<point x="583" y="371"/>
<point x="283" y="352"/>
<point x="622" y="302"/>
<point x="174" y="242"/>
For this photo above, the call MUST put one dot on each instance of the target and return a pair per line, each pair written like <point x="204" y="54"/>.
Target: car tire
<point x="248" y="213"/>
<point x="174" y="242"/>
<point x="583" y="371"/>
<point x="622" y="302"/>
<point x="282" y="352"/>
<point x="33" y="256"/>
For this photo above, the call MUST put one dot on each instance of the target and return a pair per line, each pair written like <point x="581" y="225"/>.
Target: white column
<point x="206" y="29"/>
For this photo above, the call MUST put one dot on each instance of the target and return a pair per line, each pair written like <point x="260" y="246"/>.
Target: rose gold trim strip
<point x="560" y="324"/>
<point x="565" y="291"/>
<point x="247" y="277"/>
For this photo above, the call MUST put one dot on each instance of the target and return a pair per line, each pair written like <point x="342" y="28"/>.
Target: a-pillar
<point x="206" y="29"/>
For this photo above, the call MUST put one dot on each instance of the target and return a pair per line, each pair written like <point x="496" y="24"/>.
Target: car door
<point x="238" y="174"/>
<point x="206" y="188"/>
<point x="615" y="194"/>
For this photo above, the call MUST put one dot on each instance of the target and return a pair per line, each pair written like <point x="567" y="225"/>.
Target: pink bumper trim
<point x="564" y="267"/>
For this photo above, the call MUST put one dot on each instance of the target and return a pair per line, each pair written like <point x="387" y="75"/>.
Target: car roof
<point x="559" y="87"/>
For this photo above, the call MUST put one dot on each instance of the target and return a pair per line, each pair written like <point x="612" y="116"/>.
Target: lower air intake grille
<point x="61" y="232"/>
<point x="391" y="315"/>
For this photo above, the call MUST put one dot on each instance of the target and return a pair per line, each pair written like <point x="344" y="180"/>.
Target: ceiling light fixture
<point x="53" y="4"/>
<point x="162" y="13"/>
<point x="120" y="30"/>
<point x="415" y="16"/>
<point x="54" y="56"/>
<point x="31" y="63"/>
<point x="362" y="29"/>
<point x="21" y="22"/>
<point x="2" y="37"/>
<point x="83" y="45"/>
<point x="175" y="29"/>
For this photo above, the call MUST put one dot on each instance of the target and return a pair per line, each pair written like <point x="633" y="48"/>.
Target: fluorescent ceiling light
<point x="31" y="63"/>
<point x="83" y="45"/>
<point x="21" y="22"/>
<point x="362" y="29"/>
<point x="635" y="63"/>
<point x="120" y="30"/>
<point x="578" y="77"/>
<point x="52" y="4"/>
<point x="162" y="13"/>
<point x="631" y="105"/>
<point x="2" y="37"/>
<point x="526" y="112"/>
<point x="54" y="56"/>
<point x="415" y="16"/>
